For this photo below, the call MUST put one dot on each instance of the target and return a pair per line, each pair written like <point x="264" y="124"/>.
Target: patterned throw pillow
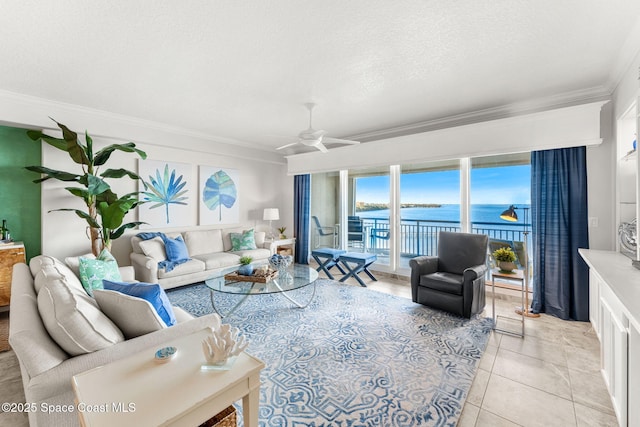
<point x="93" y="271"/>
<point x="243" y="241"/>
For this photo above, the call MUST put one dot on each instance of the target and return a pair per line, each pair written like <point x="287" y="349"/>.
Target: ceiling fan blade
<point x="339" y="141"/>
<point x="287" y="145"/>
<point x="320" y="146"/>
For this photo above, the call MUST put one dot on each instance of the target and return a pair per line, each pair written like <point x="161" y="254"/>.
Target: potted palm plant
<point x="105" y="210"/>
<point x="505" y="257"/>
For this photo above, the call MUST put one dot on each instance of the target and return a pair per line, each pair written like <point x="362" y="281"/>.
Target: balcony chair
<point x="378" y="234"/>
<point x="453" y="280"/>
<point x="355" y="233"/>
<point x="324" y="231"/>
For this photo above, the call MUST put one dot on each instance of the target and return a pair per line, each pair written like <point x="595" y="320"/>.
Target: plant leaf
<point x="58" y="143"/>
<point x="119" y="173"/>
<point x="96" y="185"/>
<point x="74" y="148"/>
<point x="118" y="232"/>
<point x="52" y="173"/>
<point x="103" y="155"/>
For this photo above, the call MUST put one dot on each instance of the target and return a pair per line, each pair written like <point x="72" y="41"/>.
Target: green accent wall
<point x="19" y="196"/>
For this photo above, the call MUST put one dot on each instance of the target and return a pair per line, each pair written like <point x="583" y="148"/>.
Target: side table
<point x="138" y="391"/>
<point x="10" y="254"/>
<point x="517" y="275"/>
<point x="281" y="246"/>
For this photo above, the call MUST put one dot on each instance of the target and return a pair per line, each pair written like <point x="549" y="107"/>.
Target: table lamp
<point x="271" y="214"/>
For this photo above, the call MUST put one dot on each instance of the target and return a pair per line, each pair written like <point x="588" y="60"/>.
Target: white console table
<point x="138" y="391"/>
<point x="614" y="311"/>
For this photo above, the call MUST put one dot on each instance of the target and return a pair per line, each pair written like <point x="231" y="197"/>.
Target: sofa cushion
<point x="73" y="318"/>
<point x="219" y="260"/>
<point x="152" y="292"/>
<point x="444" y="282"/>
<point x="176" y="249"/>
<point x="243" y="241"/>
<point x="134" y="316"/>
<point x="38" y="262"/>
<point x="93" y="271"/>
<point x="203" y="241"/>
<point x="255" y="254"/>
<point x="191" y="266"/>
<point x="154" y="248"/>
<point x="50" y="271"/>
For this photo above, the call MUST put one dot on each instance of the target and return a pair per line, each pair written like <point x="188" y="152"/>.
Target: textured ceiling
<point x="241" y="70"/>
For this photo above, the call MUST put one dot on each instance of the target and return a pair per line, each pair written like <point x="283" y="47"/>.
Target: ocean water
<point x="479" y="214"/>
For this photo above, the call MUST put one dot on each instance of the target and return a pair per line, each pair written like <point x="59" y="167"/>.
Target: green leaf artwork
<point x="166" y="189"/>
<point x="219" y="190"/>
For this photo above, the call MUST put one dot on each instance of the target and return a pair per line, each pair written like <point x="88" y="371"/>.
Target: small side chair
<point x="324" y="231"/>
<point x="454" y="280"/>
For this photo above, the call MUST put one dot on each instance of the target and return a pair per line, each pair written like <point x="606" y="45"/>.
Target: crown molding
<point x="119" y="120"/>
<point x="567" y="99"/>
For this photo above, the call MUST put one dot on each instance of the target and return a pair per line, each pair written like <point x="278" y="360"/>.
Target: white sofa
<point x="46" y="367"/>
<point x="210" y="251"/>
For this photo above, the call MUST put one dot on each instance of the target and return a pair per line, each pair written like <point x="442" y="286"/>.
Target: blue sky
<point x="502" y="185"/>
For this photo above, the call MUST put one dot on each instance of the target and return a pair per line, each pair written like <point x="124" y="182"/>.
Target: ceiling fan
<point x="316" y="138"/>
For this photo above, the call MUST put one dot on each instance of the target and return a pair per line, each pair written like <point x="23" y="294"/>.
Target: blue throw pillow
<point x="151" y="292"/>
<point x="176" y="249"/>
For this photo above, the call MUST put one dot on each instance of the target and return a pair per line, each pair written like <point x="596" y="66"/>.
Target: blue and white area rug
<point x="354" y="357"/>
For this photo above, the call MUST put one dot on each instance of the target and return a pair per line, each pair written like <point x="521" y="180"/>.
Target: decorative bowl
<point x="280" y="262"/>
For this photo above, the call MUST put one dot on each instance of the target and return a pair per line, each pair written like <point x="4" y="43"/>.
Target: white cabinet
<point x="633" y="381"/>
<point x="594" y="309"/>
<point x="613" y="340"/>
<point x="614" y="311"/>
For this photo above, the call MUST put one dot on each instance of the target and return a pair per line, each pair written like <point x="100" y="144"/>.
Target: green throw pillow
<point x="93" y="271"/>
<point x="243" y="241"/>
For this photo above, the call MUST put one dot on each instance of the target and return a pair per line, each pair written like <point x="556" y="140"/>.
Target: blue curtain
<point x="560" y="227"/>
<point x="301" y="208"/>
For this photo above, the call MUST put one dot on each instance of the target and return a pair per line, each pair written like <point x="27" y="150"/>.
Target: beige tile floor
<point x="550" y="378"/>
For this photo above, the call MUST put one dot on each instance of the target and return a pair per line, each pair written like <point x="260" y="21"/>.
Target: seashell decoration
<point x="223" y="343"/>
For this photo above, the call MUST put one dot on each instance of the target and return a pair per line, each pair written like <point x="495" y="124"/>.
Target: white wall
<point x="562" y="127"/>
<point x="261" y="185"/>
<point x="601" y="185"/>
<point x="263" y="178"/>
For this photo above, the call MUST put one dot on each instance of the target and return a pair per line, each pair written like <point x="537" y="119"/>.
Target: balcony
<point x="420" y="237"/>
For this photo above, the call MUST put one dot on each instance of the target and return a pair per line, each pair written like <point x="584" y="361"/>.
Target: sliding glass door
<point x="397" y="212"/>
<point x="324" y="209"/>
<point x="497" y="183"/>
<point x="429" y="203"/>
<point x="369" y="212"/>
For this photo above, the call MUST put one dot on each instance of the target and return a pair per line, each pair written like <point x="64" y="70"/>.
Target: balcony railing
<point x="420" y="237"/>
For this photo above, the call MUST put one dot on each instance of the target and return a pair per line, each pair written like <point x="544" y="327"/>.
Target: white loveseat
<point x="42" y="296"/>
<point x="209" y="251"/>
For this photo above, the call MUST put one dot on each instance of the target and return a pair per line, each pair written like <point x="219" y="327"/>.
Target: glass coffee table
<point x="296" y="276"/>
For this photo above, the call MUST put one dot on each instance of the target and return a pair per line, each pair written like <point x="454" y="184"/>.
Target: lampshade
<point x="510" y="214"/>
<point x="271" y="214"/>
